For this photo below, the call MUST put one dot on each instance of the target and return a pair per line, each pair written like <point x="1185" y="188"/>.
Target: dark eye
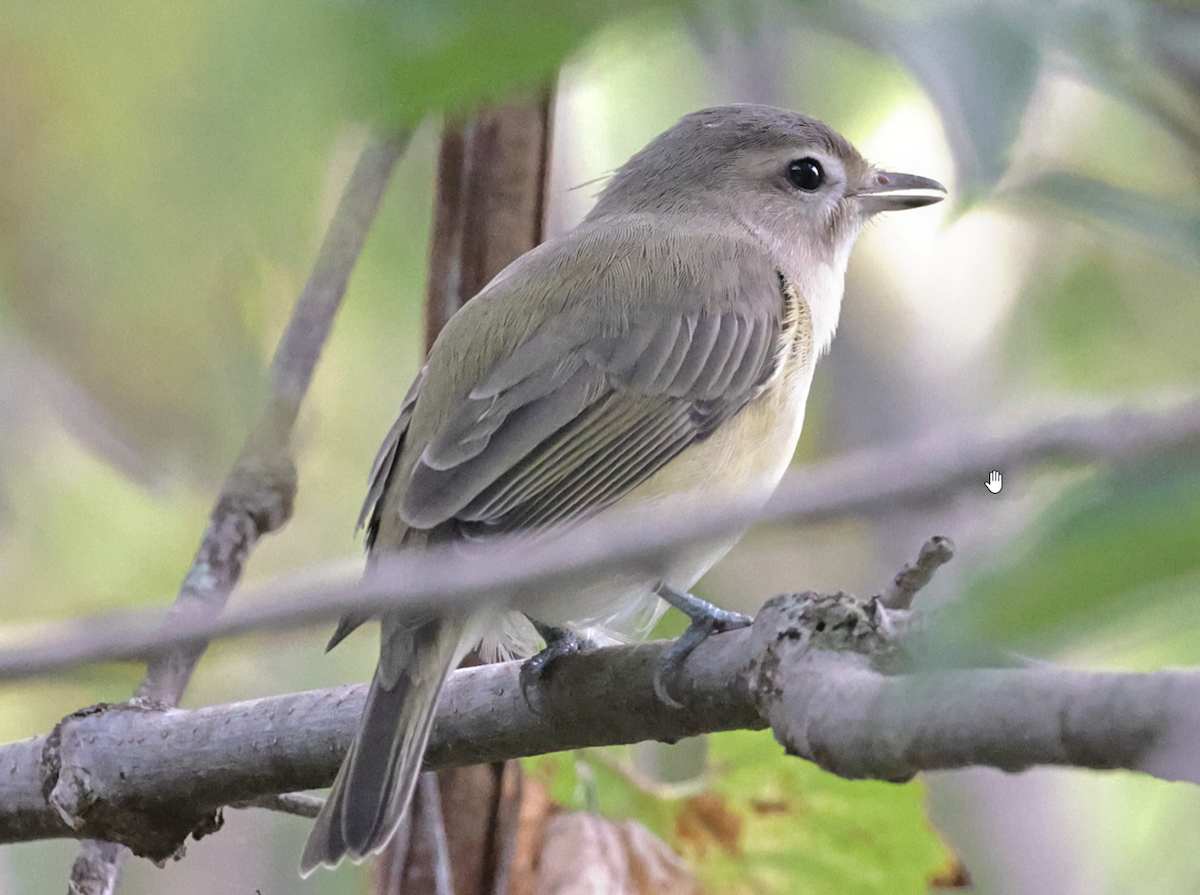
<point x="806" y="174"/>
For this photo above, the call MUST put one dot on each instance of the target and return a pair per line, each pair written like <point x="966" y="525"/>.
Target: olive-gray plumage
<point x="662" y="348"/>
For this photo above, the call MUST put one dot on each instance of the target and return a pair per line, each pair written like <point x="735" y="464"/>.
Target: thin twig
<point x="867" y="482"/>
<point x="298" y="803"/>
<point x="257" y="497"/>
<point x="258" y="494"/>
<point x="935" y="553"/>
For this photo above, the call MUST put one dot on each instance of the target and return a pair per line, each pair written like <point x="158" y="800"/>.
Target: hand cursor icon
<point x="994" y="482"/>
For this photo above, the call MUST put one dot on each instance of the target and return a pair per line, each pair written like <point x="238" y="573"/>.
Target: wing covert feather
<point x="571" y="420"/>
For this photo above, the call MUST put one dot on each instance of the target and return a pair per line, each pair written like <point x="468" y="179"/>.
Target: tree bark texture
<point x="834" y="677"/>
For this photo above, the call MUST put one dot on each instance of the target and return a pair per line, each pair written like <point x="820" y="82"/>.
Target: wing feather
<point x="570" y="448"/>
<point x="736" y="338"/>
<point x="436" y="494"/>
<point x="550" y="448"/>
<point x="661" y="349"/>
<point x="638" y="460"/>
<point x="385" y="460"/>
<point x="565" y="420"/>
<point x="756" y="361"/>
<point x="627" y="460"/>
<point x="699" y="356"/>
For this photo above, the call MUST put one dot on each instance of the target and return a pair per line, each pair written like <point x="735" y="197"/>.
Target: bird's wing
<point x="381" y="474"/>
<point x="567" y="424"/>
<point x="385" y="460"/>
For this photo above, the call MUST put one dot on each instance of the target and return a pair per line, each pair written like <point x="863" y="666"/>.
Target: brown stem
<point x="489" y="209"/>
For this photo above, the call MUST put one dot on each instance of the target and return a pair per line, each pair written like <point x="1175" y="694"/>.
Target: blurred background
<point x="166" y="174"/>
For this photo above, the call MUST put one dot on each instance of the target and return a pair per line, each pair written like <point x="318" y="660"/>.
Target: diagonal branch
<point x="257" y="496"/>
<point x="872" y="481"/>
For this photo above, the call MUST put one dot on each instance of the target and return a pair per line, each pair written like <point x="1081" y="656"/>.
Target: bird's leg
<point x="559" y="642"/>
<point x="705" y="619"/>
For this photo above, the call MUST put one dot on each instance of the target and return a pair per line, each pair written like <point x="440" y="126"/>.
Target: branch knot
<point x="263" y="491"/>
<point x="83" y="775"/>
<point x="839" y="622"/>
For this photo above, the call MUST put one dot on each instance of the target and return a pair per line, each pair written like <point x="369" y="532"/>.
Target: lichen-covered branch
<point x="822" y="683"/>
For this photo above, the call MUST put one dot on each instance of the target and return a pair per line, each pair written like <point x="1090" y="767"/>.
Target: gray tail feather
<point x="347" y="625"/>
<point x="376" y="780"/>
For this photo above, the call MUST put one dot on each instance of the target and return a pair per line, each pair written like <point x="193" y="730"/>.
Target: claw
<point x="559" y="642"/>
<point x="706" y="619"/>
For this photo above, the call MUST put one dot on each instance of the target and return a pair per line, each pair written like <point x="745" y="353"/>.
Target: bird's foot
<point x="559" y="642"/>
<point x="706" y="619"/>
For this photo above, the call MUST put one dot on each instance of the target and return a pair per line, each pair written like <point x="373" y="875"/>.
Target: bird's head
<point x="781" y="173"/>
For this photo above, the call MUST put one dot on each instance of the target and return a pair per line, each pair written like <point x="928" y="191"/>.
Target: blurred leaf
<point x="586" y="854"/>
<point x="1173" y="36"/>
<point x="88" y="541"/>
<point x="1091" y="560"/>
<point x="30" y="385"/>
<point x="980" y="71"/>
<point x="405" y="59"/>
<point x="162" y="193"/>
<point x="977" y="66"/>
<point x="1171" y="226"/>
<point x="1086" y="327"/>
<point x="1109" y="309"/>
<point x="771" y="823"/>
<point x="1148" y="53"/>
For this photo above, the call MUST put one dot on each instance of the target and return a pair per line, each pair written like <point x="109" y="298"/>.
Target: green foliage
<point x="980" y="71"/>
<point x="1082" y="328"/>
<point x="1108" y="550"/>
<point x="766" y="822"/>
<point x="161" y="164"/>
<point x="1086" y="325"/>
<point x="160" y="160"/>
<point x="1160" y="223"/>
<point x="404" y="59"/>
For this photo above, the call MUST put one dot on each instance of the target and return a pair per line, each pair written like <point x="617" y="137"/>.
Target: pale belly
<point x="743" y="460"/>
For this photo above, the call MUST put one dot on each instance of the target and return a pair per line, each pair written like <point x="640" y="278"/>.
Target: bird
<point x="663" y="348"/>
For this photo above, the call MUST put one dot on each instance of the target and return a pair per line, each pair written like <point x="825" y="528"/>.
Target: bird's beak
<point x="889" y="191"/>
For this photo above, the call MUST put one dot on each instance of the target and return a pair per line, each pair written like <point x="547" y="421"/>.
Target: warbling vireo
<point x="665" y="346"/>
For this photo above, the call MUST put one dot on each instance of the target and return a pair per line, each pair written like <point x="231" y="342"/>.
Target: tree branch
<point x="296" y="803"/>
<point x="821" y="685"/>
<point x="257" y="496"/>
<point x="942" y="464"/>
<point x="825" y="672"/>
<point x="865" y="482"/>
<point x="902" y="589"/>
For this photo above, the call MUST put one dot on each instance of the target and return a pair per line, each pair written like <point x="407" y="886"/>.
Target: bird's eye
<point x="806" y="174"/>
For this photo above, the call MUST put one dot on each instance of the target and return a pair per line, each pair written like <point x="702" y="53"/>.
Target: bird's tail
<point x="375" y="783"/>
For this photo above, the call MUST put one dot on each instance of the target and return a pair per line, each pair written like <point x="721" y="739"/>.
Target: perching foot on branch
<point x="706" y="619"/>
<point x="559" y="642"/>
